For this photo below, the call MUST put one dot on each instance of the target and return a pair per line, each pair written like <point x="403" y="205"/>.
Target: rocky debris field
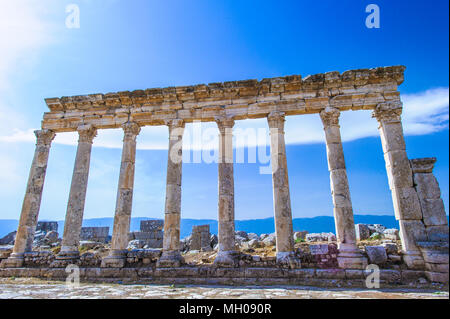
<point x="27" y="288"/>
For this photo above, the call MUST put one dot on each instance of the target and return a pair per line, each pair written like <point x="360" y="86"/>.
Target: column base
<point x="15" y="260"/>
<point x="288" y="259"/>
<point x="170" y="259"/>
<point x="116" y="259"/>
<point x="350" y="257"/>
<point x="414" y="260"/>
<point x="229" y="258"/>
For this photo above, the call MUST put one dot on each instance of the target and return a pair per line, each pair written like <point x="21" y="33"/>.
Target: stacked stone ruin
<point x="97" y="234"/>
<point x="150" y="234"/>
<point x="200" y="238"/>
<point x="415" y="199"/>
<point x="46" y="227"/>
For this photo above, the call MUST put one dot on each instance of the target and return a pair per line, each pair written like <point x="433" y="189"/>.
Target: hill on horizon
<point x="316" y="224"/>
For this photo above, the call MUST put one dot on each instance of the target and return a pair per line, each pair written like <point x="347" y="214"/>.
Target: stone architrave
<point x="77" y="195"/>
<point x="227" y="254"/>
<point x="32" y="200"/>
<point x="404" y="196"/>
<point x="171" y="256"/>
<point x="122" y="215"/>
<point x="349" y="254"/>
<point x="281" y="197"/>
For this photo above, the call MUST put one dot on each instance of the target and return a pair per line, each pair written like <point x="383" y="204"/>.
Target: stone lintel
<point x="351" y="90"/>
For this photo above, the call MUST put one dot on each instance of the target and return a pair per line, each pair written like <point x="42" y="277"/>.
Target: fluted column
<point x="227" y="255"/>
<point x="32" y="200"/>
<point x="404" y="196"/>
<point x="77" y="196"/>
<point x="349" y="254"/>
<point x="281" y="197"/>
<point x="122" y="217"/>
<point x="171" y="256"/>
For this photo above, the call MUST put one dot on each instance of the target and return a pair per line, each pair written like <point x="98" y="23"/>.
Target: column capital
<point x="224" y="122"/>
<point x="330" y="116"/>
<point x="44" y="137"/>
<point x="86" y="133"/>
<point x="422" y="165"/>
<point x="276" y="119"/>
<point x="174" y="123"/>
<point x="388" y="111"/>
<point x="131" y="129"/>
<point x="176" y="128"/>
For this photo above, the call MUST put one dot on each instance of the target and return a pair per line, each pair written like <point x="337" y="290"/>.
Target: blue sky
<point x="127" y="45"/>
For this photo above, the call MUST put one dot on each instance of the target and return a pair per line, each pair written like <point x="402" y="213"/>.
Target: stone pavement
<point x="28" y="288"/>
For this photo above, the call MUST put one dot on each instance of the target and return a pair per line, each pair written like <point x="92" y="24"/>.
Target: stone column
<point x="431" y="203"/>
<point x="32" y="200"/>
<point x="349" y="255"/>
<point x="281" y="196"/>
<point x="122" y="217"/>
<point x="404" y="196"/>
<point x="77" y="196"/>
<point x="171" y="256"/>
<point x="227" y="255"/>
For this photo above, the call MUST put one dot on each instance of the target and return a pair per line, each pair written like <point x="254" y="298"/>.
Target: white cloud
<point x="426" y="112"/>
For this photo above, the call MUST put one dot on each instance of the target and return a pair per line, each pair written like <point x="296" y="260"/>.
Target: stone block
<point x="412" y="231"/>
<point x="433" y="212"/>
<point x="98" y="234"/>
<point x="330" y="273"/>
<point x="437" y="276"/>
<point x="437" y="233"/>
<point x="427" y="186"/>
<point x="412" y="275"/>
<point x="151" y="225"/>
<point x="390" y="248"/>
<point x="376" y="254"/>
<point x="390" y="276"/>
<point x="436" y="267"/>
<point x="406" y="204"/>
<point x="362" y="231"/>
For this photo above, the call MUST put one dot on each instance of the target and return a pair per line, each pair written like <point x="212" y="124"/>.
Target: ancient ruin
<point x="97" y="234"/>
<point x="150" y="234"/>
<point x="201" y="238"/>
<point x="415" y="192"/>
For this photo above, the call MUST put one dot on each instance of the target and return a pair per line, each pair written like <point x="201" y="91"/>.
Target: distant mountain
<point x="258" y="226"/>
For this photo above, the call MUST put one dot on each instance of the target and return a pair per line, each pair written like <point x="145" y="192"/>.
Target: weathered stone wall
<point x="150" y="234"/>
<point x="99" y="234"/>
<point x="201" y="238"/>
<point x="152" y="239"/>
<point x="151" y="225"/>
<point x="223" y="276"/>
